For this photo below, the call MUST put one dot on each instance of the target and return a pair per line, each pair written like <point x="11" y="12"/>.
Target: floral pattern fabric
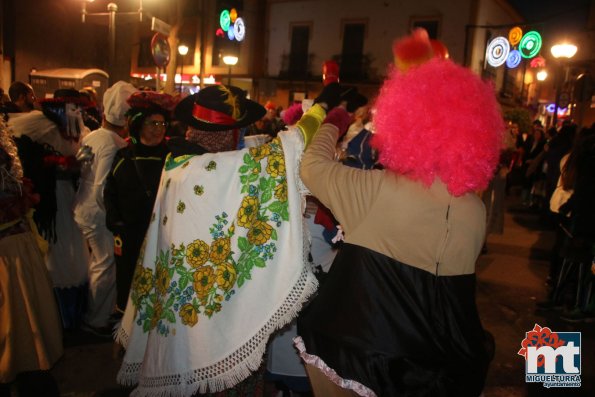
<point x="221" y="269"/>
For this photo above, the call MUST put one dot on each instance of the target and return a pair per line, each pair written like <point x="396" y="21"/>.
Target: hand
<point x="339" y="118"/>
<point x="330" y="95"/>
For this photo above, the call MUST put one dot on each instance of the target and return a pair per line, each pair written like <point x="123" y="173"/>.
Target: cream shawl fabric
<point x="223" y="267"/>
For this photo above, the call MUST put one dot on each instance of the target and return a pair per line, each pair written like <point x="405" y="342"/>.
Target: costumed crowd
<point x="327" y="249"/>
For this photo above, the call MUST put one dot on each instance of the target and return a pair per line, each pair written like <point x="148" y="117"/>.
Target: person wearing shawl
<point x="397" y="313"/>
<point x="224" y="263"/>
<point x="132" y="183"/>
<point x="30" y="331"/>
<point x="48" y="141"/>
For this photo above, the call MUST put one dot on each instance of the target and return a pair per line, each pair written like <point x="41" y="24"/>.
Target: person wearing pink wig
<point x="396" y="315"/>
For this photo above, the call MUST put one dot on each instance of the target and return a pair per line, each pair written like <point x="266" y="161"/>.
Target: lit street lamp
<point x="541" y="75"/>
<point x="230" y="60"/>
<point x="182" y="50"/>
<point x="563" y="51"/>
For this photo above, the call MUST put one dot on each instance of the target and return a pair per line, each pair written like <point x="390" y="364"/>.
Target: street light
<point x="230" y="60"/>
<point x="541" y="75"/>
<point x="182" y="50"/>
<point x="562" y="52"/>
<point x="112" y="10"/>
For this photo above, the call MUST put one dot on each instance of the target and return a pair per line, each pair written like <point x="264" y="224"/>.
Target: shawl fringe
<point x="187" y="384"/>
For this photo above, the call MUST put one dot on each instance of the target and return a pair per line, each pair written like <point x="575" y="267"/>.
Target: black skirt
<point x="396" y="329"/>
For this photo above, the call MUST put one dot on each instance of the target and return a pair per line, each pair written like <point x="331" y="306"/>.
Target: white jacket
<point x="89" y="209"/>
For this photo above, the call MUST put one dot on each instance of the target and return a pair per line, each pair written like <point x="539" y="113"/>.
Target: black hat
<point x="218" y="108"/>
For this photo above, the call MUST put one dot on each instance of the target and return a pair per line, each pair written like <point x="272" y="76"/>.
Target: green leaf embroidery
<point x="170" y="316"/>
<point x="259" y="262"/>
<point x="243" y="244"/>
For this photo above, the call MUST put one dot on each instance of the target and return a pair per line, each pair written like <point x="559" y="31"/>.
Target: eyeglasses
<point x="156" y="123"/>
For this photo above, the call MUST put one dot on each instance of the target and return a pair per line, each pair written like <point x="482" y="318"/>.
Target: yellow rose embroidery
<point x="281" y="192"/>
<point x="220" y="249"/>
<point x="248" y="210"/>
<point x="181" y="206"/>
<point x="189" y="315"/>
<point x="143" y="281"/>
<point x="260" y="233"/>
<point x="226" y="276"/>
<point x="276" y="165"/>
<point x="162" y="282"/>
<point x="204" y="278"/>
<point x="260" y="152"/>
<point x="197" y="253"/>
<point x="157" y="311"/>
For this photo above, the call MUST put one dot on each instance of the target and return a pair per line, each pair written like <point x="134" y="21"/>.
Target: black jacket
<point x="131" y="186"/>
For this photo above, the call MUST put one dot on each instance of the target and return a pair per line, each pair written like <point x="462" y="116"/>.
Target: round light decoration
<point x="515" y="35"/>
<point x="497" y="51"/>
<point x="224" y="20"/>
<point x="514" y="59"/>
<point x="530" y="44"/>
<point x="537" y="62"/>
<point x="239" y="29"/>
<point x="232" y="24"/>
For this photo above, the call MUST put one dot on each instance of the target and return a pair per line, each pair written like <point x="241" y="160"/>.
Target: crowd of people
<point x="325" y="249"/>
<point x="548" y="168"/>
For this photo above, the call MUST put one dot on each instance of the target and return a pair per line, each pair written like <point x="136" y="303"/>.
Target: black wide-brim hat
<point x="218" y="108"/>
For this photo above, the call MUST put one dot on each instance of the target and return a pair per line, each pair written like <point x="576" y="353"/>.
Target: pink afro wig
<point x="439" y="120"/>
<point x="292" y="114"/>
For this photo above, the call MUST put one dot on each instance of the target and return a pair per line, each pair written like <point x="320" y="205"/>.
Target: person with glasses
<point x="132" y="183"/>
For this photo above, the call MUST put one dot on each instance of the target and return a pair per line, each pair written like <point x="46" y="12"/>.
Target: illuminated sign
<point x="513" y="49"/>
<point x="231" y="25"/>
<point x="515" y="35"/>
<point x="530" y="44"/>
<point x="552" y="107"/>
<point x="497" y="51"/>
<point x="514" y="59"/>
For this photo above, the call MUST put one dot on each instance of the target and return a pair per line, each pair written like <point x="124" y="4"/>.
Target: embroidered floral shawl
<point x="222" y="267"/>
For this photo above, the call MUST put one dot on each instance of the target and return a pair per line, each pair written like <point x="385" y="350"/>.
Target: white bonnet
<point x="114" y="102"/>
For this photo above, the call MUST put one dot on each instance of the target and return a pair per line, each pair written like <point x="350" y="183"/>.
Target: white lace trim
<point x="329" y="372"/>
<point x="229" y="371"/>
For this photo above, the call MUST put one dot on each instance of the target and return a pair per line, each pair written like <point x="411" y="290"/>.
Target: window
<point x="352" y="55"/>
<point x="298" y="53"/>
<point x="430" y="24"/>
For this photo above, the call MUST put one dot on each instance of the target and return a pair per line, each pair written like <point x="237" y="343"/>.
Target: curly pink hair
<point x="439" y="120"/>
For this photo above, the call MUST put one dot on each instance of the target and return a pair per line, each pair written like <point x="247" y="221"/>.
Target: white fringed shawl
<point x="223" y="267"/>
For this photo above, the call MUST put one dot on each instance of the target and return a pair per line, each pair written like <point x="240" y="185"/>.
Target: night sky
<point x="555" y="15"/>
